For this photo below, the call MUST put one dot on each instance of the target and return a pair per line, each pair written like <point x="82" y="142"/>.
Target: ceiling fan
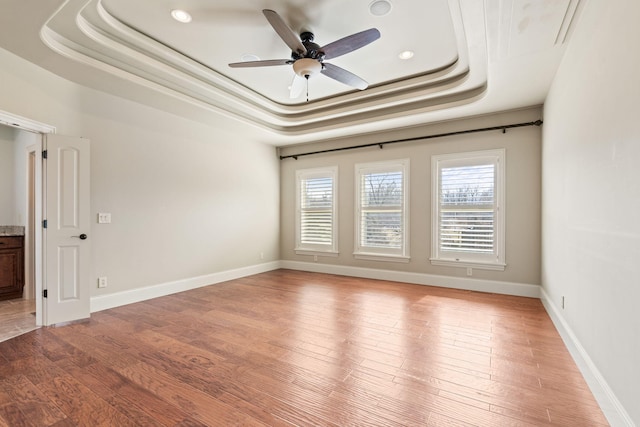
<point x="308" y="57"/>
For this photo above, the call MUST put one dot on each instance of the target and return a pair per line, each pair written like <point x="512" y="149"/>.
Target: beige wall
<point x="7" y="178"/>
<point x="591" y="203"/>
<point x="13" y="174"/>
<point x="186" y="199"/>
<point x="522" y="182"/>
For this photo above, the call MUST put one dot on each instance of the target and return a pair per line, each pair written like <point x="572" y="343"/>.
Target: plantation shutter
<point x="316" y="211"/>
<point x="381" y="202"/>
<point x="468" y="209"/>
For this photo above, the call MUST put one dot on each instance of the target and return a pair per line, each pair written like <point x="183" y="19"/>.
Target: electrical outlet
<point x="469" y="271"/>
<point x="102" y="282"/>
<point x="562" y="302"/>
<point x="261" y="255"/>
<point x="315" y="258"/>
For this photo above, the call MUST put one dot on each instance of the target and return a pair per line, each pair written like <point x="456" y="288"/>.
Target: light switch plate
<point x="104" y="218"/>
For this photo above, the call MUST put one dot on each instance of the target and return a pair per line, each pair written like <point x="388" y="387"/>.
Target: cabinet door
<point x="9" y="271"/>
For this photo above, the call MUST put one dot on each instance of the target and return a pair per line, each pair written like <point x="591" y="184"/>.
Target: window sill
<point x="468" y="264"/>
<point x="316" y="253"/>
<point x="381" y="257"/>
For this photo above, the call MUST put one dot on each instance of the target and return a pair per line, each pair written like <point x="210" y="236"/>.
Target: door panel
<point x="67" y="256"/>
<point x="68" y="270"/>
<point x="69" y="191"/>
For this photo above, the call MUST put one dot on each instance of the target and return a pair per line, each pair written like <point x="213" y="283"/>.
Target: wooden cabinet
<point x="11" y="266"/>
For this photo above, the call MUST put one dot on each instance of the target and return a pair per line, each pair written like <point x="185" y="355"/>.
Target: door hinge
<point x="44" y="224"/>
<point x="44" y="293"/>
<point x="44" y="154"/>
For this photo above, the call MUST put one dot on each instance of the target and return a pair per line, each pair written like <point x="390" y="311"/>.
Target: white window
<point x="316" y="219"/>
<point x="382" y="226"/>
<point x="468" y="209"/>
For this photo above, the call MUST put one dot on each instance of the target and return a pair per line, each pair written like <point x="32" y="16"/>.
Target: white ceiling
<point x="471" y="57"/>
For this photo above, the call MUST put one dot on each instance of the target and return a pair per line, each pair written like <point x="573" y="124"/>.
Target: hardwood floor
<point x="17" y="316"/>
<point x="292" y="348"/>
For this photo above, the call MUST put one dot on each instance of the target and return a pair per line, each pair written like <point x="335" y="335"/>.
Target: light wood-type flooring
<point x="291" y="348"/>
<point x="17" y="316"/>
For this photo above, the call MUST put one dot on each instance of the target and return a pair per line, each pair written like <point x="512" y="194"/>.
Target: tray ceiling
<point x="466" y="54"/>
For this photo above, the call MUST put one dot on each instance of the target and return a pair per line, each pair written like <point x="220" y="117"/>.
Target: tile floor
<point x="17" y="316"/>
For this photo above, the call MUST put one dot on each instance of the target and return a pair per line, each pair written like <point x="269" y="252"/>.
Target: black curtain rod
<point x="503" y="128"/>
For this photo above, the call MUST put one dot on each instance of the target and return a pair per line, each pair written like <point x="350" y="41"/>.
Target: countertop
<point x="11" y="230"/>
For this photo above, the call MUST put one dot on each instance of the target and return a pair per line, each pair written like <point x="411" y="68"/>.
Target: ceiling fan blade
<point x="286" y="34"/>
<point x="266" y="63"/>
<point x="297" y="86"/>
<point x="350" y="43"/>
<point x="343" y="76"/>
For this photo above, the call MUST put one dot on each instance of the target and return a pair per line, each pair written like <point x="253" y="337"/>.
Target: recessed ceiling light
<point x="407" y="54"/>
<point x="181" y="15"/>
<point x="380" y="7"/>
<point x="249" y="57"/>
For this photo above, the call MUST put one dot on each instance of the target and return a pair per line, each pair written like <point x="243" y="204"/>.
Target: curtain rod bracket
<point x="380" y="145"/>
<point x="504" y="130"/>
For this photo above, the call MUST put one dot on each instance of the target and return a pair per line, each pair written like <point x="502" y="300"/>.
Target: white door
<point x="67" y="239"/>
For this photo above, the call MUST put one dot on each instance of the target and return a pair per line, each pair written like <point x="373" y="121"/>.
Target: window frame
<point x="317" y="249"/>
<point x="489" y="261"/>
<point x="377" y="253"/>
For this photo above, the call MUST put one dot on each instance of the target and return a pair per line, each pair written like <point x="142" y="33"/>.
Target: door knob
<point x="81" y="237"/>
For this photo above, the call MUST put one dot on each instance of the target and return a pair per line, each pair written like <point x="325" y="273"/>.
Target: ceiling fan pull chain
<point x="307" y="77"/>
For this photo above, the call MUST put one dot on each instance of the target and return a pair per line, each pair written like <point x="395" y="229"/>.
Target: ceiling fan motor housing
<point x="313" y="49"/>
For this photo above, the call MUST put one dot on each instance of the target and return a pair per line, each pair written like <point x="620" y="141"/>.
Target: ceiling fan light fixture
<point x="307" y="67"/>
<point x="380" y="7"/>
<point x="181" y="15"/>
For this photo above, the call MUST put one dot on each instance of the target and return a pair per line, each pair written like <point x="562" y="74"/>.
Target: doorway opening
<point x="25" y="313"/>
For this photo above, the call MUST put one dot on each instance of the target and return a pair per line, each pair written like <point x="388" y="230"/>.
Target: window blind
<point x="316" y="211"/>
<point x="467" y="209"/>
<point x="381" y="210"/>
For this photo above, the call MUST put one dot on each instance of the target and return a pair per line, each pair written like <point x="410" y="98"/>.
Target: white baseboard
<point x="103" y="302"/>
<point x="470" y="284"/>
<point x="609" y="403"/>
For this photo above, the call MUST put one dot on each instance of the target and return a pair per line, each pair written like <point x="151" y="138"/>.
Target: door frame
<point x="40" y="128"/>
